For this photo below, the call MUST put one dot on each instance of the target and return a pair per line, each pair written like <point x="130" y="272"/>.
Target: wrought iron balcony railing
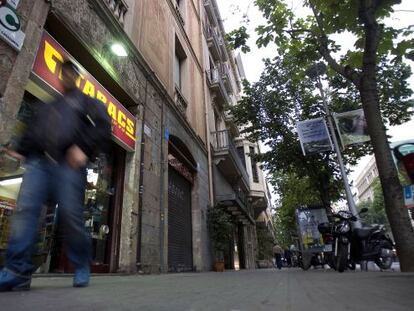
<point x="180" y="101"/>
<point x="222" y="141"/>
<point x="119" y="8"/>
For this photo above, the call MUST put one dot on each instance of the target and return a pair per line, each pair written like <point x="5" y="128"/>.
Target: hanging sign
<point x="48" y="66"/>
<point x="12" y="3"/>
<point x="408" y="196"/>
<point x="352" y="127"/>
<point x="10" y="25"/>
<point x="314" y="136"/>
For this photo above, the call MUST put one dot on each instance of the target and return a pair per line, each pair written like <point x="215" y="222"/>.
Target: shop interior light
<point x="119" y="50"/>
<point x="12" y="181"/>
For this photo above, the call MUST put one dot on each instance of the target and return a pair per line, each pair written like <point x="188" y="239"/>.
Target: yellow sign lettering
<point x="112" y="110"/>
<point x="89" y="89"/>
<point x="121" y="118"/>
<point x="101" y="97"/>
<point x="130" y="127"/>
<point x="79" y="80"/>
<point x="51" y="57"/>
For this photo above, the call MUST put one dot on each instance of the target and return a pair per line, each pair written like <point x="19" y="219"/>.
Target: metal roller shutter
<point x="180" y="250"/>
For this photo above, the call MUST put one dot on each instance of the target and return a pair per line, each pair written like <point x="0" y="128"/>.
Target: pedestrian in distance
<point x="288" y="257"/>
<point x="278" y="252"/>
<point x="59" y="141"/>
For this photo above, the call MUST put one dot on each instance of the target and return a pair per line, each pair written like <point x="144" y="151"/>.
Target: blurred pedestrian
<point x="278" y="252"/>
<point x="288" y="257"/>
<point x="56" y="146"/>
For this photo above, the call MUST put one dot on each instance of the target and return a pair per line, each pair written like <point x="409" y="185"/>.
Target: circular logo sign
<point x="9" y="18"/>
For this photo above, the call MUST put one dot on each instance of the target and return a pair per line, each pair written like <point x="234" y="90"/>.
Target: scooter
<point x="353" y="245"/>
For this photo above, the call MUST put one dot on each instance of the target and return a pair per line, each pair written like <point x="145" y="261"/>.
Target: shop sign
<point x="10" y="25"/>
<point x="12" y="3"/>
<point x="48" y="66"/>
<point x="167" y="133"/>
<point x="147" y="130"/>
<point x="180" y="168"/>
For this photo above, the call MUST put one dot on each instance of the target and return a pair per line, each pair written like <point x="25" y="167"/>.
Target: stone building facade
<point x="156" y="201"/>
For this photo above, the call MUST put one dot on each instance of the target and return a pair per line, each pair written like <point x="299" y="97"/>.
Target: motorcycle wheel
<point x="342" y="257"/>
<point x="330" y="260"/>
<point x="351" y="265"/>
<point x="306" y="262"/>
<point x="384" y="263"/>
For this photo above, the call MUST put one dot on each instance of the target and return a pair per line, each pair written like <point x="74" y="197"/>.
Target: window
<point x="179" y="63"/>
<point x="240" y="151"/>
<point x="255" y="172"/>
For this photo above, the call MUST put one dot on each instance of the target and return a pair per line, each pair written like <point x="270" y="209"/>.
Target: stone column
<point x="15" y="67"/>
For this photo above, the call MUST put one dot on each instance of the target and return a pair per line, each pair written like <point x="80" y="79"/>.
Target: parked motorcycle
<point x="353" y="245"/>
<point x="326" y="229"/>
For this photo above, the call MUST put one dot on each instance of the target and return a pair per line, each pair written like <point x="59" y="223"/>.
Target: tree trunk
<point x="393" y="194"/>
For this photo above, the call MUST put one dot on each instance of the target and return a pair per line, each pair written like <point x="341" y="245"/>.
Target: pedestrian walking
<point x="59" y="141"/>
<point x="288" y="257"/>
<point x="278" y="252"/>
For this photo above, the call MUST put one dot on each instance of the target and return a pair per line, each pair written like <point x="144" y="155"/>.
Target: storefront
<point x="181" y="170"/>
<point x="105" y="176"/>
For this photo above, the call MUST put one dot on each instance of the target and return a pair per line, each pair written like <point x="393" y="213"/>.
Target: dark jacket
<point x="73" y="119"/>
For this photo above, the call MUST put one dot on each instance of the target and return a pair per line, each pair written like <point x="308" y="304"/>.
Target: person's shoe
<point x="81" y="278"/>
<point x="9" y="281"/>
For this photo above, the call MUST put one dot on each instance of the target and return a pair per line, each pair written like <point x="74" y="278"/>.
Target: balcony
<point x="118" y="8"/>
<point x="211" y="12"/>
<point x="237" y="204"/>
<point x="214" y="42"/>
<point x="225" y="74"/>
<point x="231" y="124"/>
<point x="259" y="201"/>
<point x="227" y="159"/>
<point x="180" y="101"/>
<point x="216" y="84"/>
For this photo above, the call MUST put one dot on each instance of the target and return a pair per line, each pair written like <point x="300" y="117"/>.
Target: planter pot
<point x="219" y="266"/>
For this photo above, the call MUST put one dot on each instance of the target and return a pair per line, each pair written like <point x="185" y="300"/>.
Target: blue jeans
<point x="45" y="181"/>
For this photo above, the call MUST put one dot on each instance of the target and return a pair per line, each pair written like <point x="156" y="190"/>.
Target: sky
<point x="232" y="13"/>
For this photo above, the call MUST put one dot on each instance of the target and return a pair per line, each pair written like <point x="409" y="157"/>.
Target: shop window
<point x="98" y="216"/>
<point x="99" y="212"/>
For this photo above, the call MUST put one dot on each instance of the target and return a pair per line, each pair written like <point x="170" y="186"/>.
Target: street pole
<point x="349" y="196"/>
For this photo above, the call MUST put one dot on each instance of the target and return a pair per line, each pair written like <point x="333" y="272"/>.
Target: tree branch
<point x="347" y="71"/>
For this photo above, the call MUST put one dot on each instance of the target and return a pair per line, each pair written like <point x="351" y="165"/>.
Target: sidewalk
<point x="256" y="290"/>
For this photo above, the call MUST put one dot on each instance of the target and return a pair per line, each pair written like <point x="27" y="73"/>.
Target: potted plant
<point x="220" y="228"/>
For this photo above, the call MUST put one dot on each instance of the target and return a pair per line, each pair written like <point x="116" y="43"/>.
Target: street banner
<point x="352" y="127"/>
<point x="308" y="219"/>
<point x="314" y="136"/>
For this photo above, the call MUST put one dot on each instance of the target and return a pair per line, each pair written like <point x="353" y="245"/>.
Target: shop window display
<point x="97" y="213"/>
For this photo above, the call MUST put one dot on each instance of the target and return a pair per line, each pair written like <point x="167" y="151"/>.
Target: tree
<point x="310" y="39"/>
<point x="269" y="112"/>
<point x="376" y="208"/>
